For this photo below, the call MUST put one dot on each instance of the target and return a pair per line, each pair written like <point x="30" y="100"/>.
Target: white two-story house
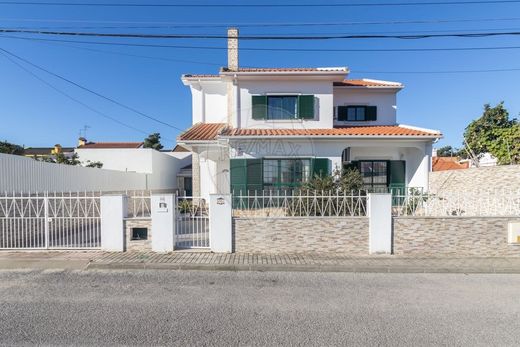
<point x="274" y="128"/>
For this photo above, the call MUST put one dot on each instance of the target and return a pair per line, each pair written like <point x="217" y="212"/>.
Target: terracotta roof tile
<point x="202" y="132"/>
<point x="343" y="131"/>
<point x="288" y="69"/>
<point x="447" y="163"/>
<point x="367" y="83"/>
<point x="201" y="76"/>
<point x="107" y="145"/>
<point x="211" y="131"/>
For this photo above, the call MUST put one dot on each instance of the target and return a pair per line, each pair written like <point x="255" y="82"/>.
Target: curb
<point x="297" y="268"/>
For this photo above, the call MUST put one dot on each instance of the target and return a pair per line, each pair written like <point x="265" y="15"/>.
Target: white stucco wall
<point x="163" y="166"/>
<point x="209" y="102"/>
<point x="121" y="159"/>
<point x="385" y="100"/>
<point x="322" y="91"/>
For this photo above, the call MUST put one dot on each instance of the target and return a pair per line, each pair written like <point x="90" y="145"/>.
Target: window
<point x="280" y="107"/>
<point x="357" y="113"/>
<point x="375" y="173"/>
<point x="286" y="173"/>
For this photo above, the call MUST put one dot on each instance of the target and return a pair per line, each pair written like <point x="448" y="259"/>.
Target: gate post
<point x="113" y="212"/>
<point x="163" y="222"/>
<point x="380" y="223"/>
<point x="220" y="223"/>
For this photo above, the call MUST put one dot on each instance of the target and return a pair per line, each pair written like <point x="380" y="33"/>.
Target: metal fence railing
<point x="139" y="204"/>
<point x="191" y="222"/>
<point x="299" y="204"/>
<point x="478" y="203"/>
<point x="50" y="221"/>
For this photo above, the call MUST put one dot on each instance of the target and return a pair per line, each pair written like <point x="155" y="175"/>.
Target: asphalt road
<point x="252" y="308"/>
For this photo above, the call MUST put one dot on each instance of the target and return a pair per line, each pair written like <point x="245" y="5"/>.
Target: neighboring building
<point x="132" y="157"/>
<point x="47" y="152"/>
<point x="448" y="163"/>
<point x="484" y="160"/>
<point x="273" y="128"/>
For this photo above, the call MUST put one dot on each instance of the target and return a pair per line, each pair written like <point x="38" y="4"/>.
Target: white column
<point x="113" y="212"/>
<point x="163" y="222"/>
<point x="380" y="223"/>
<point x="220" y="223"/>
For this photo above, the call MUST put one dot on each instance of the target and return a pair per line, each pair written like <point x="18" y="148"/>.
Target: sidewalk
<point x="254" y="262"/>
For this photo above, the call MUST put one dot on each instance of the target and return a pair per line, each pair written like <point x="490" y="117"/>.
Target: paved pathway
<point x="254" y="262"/>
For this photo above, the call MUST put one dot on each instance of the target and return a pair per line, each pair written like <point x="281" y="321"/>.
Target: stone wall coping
<point x="456" y="217"/>
<point x="138" y="219"/>
<point x="302" y="217"/>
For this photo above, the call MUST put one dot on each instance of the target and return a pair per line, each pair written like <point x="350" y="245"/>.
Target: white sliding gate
<point x="191" y="222"/>
<point x="50" y="221"/>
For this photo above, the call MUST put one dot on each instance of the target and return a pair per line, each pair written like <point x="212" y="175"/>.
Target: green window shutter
<point x="254" y="175"/>
<point x="397" y="173"/>
<point x="238" y="176"/>
<point x="320" y="167"/>
<point x="371" y="113"/>
<point x="306" y="106"/>
<point x="259" y="104"/>
<point x="342" y="113"/>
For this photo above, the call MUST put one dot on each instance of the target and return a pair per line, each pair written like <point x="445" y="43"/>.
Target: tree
<point x="495" y="133"/>
<point x="95" y="164"/>
<point x="447" y="151"/>
<point x="153" y="141"/>
<point x="10" y="148"/>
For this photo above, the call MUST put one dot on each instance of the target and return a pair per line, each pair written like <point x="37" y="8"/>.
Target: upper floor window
<point x="279" y="107"/>
<point x="357" y="113"/>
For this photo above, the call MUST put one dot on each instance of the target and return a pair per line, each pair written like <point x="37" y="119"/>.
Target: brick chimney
<point x="232" y="46"/>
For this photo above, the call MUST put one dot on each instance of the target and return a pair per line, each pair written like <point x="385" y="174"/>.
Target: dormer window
<point x="283" y="107"/>
<point x="357" y="113"/>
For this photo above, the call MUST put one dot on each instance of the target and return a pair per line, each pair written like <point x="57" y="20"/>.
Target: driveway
<point x="254" y="308"/>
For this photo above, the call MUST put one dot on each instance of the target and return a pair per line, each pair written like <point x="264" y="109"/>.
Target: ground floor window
<point x="274" y="174"/>
<point x="381" y="175"/>
<point x="282" y="174"/>
<point x="375" y="173"/>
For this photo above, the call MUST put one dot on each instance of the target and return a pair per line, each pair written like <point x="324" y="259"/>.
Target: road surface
<point x="253" y="308"/>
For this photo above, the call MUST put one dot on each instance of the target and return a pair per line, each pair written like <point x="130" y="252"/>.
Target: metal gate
<point x="191" y="223"/>
<point x="50" y="222"/>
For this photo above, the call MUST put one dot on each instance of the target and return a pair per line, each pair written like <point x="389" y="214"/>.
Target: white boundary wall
<point x="19" y="173"/>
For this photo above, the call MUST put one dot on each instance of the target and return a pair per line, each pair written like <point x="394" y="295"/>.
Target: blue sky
<point x="33" y="114"/>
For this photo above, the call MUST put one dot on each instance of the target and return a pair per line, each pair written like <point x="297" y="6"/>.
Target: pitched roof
<point x="288" y="69"/>
<point x="211" y="131"/>
<point x="448" y="163"/>
<point x="108" y="145"/>
<point x="376" y="130"/>
<point x="203" y="132"/>
<point x="179" y="148"/>
<point x="45" y="150"/>
<point x="367" y="83"/>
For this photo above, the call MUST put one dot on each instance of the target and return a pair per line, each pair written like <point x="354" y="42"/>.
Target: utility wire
<point x="160" y="25"/>
<point x="91" y="91"/>
<point x="352" y="72"/>
<point x="254" y="38"/>
<point x="50" y="85"/>
<point x="226" y="5"/>
<point x="320" y="50"/>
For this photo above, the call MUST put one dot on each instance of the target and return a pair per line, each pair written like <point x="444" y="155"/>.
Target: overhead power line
<point x="261" y="38"/>
<point x="163" y="24"/>
<point x="319" y="50"/>
<point x="354" y="71"/>
<point x="225" y="5"/>
<point x="129" y="108"/>
<point x="50" y="85"/>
